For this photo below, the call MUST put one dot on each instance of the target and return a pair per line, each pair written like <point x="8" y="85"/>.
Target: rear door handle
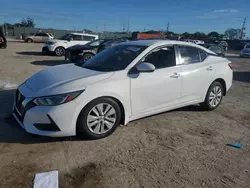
<point x="209" y="68"/>
<point x="175" y="75"/>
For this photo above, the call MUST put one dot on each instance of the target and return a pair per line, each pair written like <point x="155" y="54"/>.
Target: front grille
<point x="19" y="99"/>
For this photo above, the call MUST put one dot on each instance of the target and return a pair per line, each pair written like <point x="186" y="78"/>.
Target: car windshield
<point x="115" y="58"/>
<point x="247" y="46"/>
<point x="95" y="42"/>
<point x="66" y="37"/>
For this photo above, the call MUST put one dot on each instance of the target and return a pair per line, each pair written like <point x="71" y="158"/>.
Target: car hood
<point x="80" y="47"/>
<point x="245" y="50"/>
<point x="62" y="79"/>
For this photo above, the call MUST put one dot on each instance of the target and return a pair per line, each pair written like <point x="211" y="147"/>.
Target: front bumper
<point x="53" y="121"/>
<point x="245" y="54"/>
<point x="49" y="48"/>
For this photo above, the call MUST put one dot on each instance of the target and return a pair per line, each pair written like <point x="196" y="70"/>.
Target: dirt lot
<point x="181" y="148"/>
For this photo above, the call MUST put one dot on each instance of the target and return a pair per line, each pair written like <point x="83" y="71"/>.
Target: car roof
<point x="85" y="34"/>
<point x="155" y="43"/>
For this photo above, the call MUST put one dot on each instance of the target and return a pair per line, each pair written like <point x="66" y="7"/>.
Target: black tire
<point x="60" y="51"/>
<point x="29" y="40"/>
<point x="82" y="127"/>
<point x="87" y="56"/>
<point x="207" y="104"/>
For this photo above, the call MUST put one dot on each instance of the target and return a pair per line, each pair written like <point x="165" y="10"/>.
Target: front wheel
<point x="214" y="96"/>
<point x="87" y="56"/>
<point x="60" y="51"/>
<point x="99" y="118"/>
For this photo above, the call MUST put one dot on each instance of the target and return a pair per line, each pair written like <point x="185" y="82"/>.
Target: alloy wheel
<point x="59" y="51"/>
<point x="215" y="96"/>
<point x="101" y="118"/>
<point x="87" y="57"/>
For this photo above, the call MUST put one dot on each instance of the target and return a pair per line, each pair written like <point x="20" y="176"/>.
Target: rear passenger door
<point x="76" y="39"/>
<point x="38" y="37"/>
<point x="196" y="72"/>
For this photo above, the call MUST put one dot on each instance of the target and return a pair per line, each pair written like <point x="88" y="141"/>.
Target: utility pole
<point x="242" y="33"/>
<point x="168" y="28"/>
<point x="104" y="28"/>
<point x="123" y="28"/>
<point x="128" y="25"/>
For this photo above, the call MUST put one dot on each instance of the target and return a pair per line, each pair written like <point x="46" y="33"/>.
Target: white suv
<point x="58" y="46"/>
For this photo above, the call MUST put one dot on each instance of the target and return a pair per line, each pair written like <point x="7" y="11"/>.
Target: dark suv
<point x="80" y="53"/>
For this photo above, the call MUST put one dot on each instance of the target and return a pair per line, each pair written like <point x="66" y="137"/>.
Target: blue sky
<point x="183" y="15"/>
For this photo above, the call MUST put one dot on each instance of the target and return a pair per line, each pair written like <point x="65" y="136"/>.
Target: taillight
<point x="230" y="65"/>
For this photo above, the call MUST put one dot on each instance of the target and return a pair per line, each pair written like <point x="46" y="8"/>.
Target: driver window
<point x="161" y="57"/>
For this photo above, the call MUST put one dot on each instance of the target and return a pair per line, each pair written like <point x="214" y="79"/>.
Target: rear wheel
<point x="214" y="96"/>
<point x="99" y="118"/>
<point x="29" y="40"/>
<point x="60" y="51"/>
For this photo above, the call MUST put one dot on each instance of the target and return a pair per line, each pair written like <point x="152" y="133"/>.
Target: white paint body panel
<point x="141" y="95"/>
<point x="66" y="44"/>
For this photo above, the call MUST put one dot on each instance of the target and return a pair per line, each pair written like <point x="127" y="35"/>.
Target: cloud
<point x="218" y="14"/>
<point x="226" y="11"/>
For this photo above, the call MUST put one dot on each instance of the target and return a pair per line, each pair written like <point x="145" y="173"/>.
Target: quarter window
<point x="189" y="55"/>
<point x="203" y="55"/>
<point x="161" y="57"/>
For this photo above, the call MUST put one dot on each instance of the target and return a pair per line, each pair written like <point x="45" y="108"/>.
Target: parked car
<point x="38" y="37"/>
<point x="198" y="41"/>
<point x="58" y="46"/>
<point x="190" y="41"/>
<point x="218" y="50"/>
<point x="224" y="45"/>
<point x="80" y="53"/>
<point x="125" y="82"/>
<point x="3" y="41"/>
<point x="245" y="52"/>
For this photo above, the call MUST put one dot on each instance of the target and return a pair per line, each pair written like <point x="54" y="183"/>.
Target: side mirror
<point x="145" y="67"/>
<point x="70" y="39"/>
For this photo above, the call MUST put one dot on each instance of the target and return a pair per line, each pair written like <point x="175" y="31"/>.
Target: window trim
<point x="172" y="45"/>
<point x="200" y="55"/>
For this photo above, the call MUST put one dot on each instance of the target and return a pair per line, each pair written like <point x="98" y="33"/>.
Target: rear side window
<point x="77" y="37"/>
<point x="203" y="54"/>
<point x="88" y="38"/>
<point x="189" y="55"/>
<point x="38" y="34"/>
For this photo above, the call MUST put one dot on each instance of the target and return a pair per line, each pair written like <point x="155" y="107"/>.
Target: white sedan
<point x="123" y="83"/>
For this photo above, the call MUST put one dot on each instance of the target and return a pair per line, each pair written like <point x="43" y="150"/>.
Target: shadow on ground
<point x="242" y="76"/>
<point x="11" y="131"/>
<point x="30" y="53"/>
<point x="50" y="62"/>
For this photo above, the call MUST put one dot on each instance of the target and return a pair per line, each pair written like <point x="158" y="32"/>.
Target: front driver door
<point x="159" y="89"/>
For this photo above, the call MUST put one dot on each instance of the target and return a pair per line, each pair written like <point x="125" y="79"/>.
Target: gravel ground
<point x="182" y="148"/>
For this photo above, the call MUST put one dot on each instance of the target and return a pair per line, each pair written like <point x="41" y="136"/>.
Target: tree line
<point x="230" y="33"/>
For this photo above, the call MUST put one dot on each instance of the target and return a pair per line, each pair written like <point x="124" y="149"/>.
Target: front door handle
<point x="175" y="75"/>
<point x="209" y="68"/>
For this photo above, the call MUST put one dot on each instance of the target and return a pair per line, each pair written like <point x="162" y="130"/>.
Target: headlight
<point x="57" y="99"/>
<point x="50" y="42"/>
